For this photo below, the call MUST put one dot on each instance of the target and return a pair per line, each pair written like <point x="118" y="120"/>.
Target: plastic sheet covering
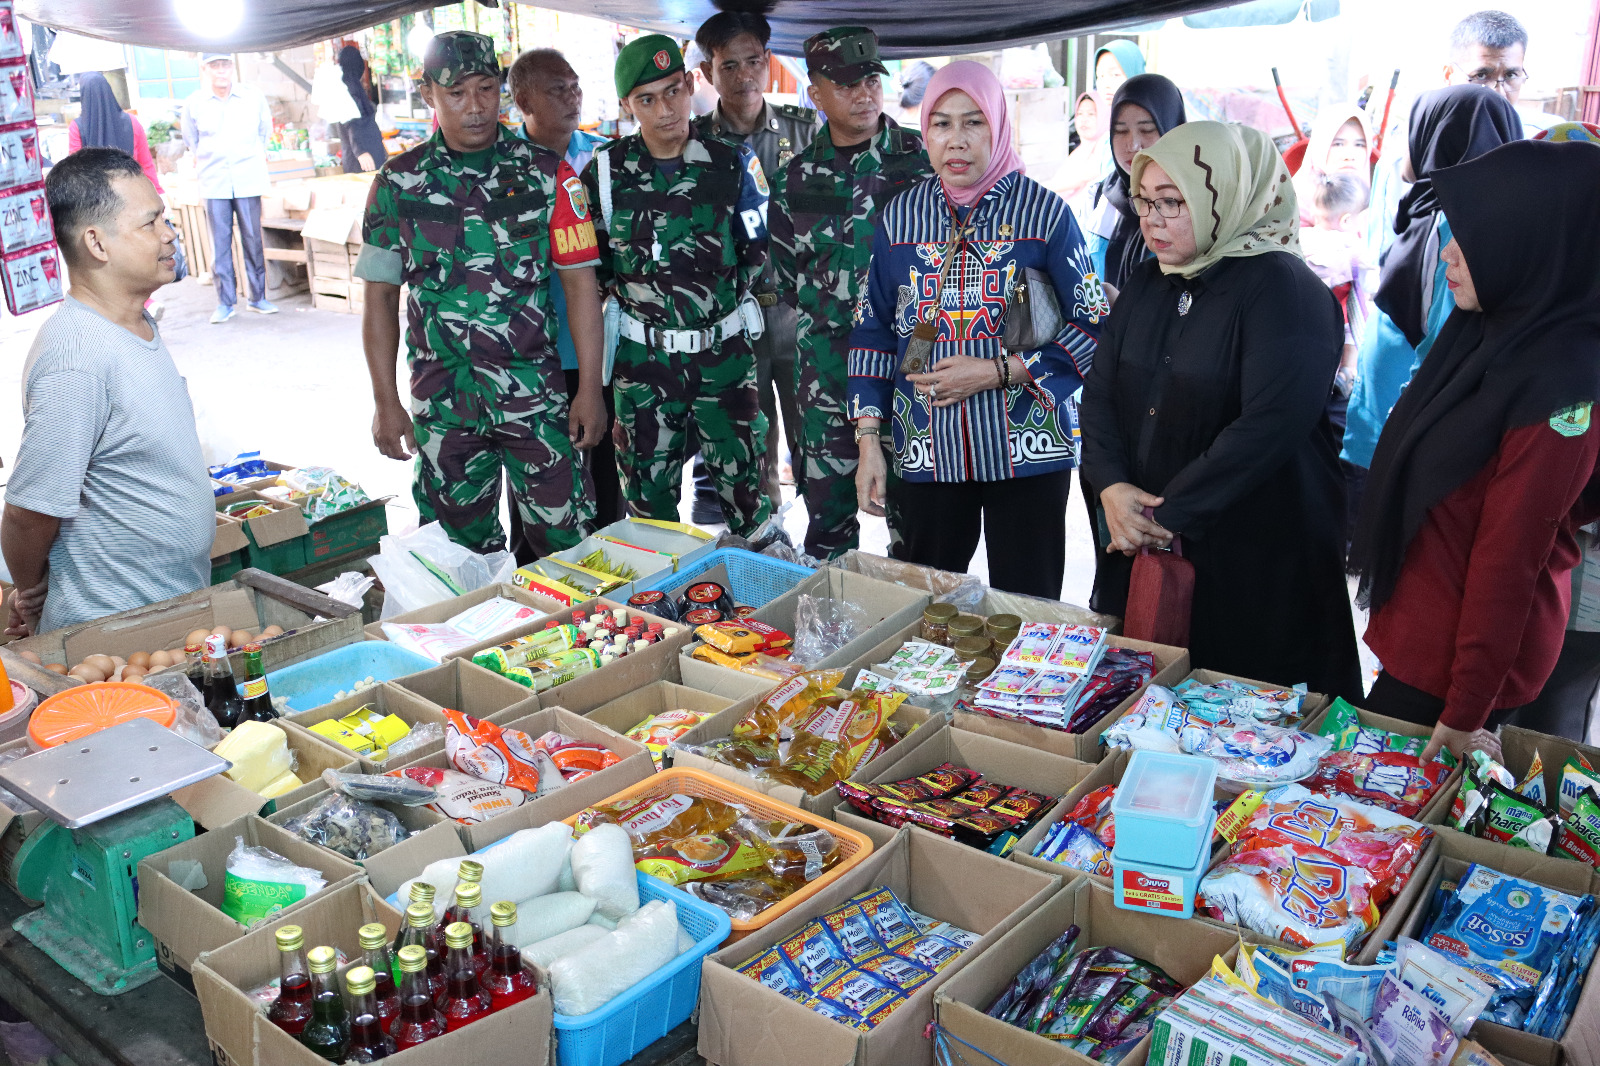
<point x="932" y="27"/>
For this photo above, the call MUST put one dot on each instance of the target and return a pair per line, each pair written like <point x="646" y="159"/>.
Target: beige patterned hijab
<point x="1237" y="188"/>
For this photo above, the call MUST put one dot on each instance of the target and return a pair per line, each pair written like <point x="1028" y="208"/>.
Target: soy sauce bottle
<point x="222" y="695"/>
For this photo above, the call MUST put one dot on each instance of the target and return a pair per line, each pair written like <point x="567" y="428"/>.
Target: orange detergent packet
<point x="742" y="636"/>
<point x="654" y="820"/>
<point x="576" y="759"/>
<point x="790" y="702"/>
<point x="490" y="752"/>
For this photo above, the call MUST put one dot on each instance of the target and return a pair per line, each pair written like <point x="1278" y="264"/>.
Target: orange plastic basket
<point x="854" y="847"/>
<point x="85" y="709"/>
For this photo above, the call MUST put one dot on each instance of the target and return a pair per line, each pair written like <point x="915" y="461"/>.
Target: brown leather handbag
<point x="1160" y="595"/>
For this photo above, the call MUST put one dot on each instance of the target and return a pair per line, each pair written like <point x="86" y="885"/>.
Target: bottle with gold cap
<point x="328" y="1032"/>
<point x="468" y="901"/>
<point x="470" y="870"/>
<point x="421" y="892"/>
<point x="375" y="953"/>
<point x="419" y="1020"/>
<point x="368" y="1041"/>
<point x="505" y="978"/>
<point x="465" y="1000"/>
<point x="419" y="926"/>
<point x="292" y="1009"/>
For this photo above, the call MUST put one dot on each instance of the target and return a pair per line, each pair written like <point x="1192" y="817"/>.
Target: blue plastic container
<point x="660" y="1003"/>
<point x="1165" y="890"/>
<point x="311" y="683"/>
<point x="753" y="580"/>
<point x="1163" y="809"/>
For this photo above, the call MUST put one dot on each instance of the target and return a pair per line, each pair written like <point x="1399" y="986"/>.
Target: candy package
<point x="1510" y="932"/>
<point x="1394" y="780"/>
<point x="1297" y="893"/>
<point x="463" y="797"/>
<point x="498" y="754"/>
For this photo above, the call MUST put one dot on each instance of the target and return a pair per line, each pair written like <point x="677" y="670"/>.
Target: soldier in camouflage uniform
<point x="683" y="236"/>
<point x="472" y="221"/>
<point x="736" y="64"/>
<point x="825" y="204"/>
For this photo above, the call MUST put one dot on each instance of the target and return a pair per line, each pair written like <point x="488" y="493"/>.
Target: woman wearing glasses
<point x="1204" y="414"/>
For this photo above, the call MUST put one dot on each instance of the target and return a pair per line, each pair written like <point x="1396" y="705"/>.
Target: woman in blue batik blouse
<point x="984" y="440"/>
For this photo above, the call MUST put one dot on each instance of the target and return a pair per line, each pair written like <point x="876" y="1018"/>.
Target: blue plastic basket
<point x="310" y="684"/>
<point x="660" y="1003"/>
<point x="753" y="580"/>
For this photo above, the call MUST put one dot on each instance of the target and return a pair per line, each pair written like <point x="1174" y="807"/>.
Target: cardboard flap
<point x="392" y="867"/>
<point x="216" y="801"/>
<point x="228" y="538"/>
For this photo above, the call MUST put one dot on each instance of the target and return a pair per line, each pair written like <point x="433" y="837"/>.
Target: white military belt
<point x="692" y="340"/>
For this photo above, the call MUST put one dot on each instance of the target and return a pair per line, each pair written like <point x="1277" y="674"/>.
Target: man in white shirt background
<point x="227" y="126"/>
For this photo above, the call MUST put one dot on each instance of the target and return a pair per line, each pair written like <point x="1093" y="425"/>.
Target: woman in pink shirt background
<point x="103" y="124"/>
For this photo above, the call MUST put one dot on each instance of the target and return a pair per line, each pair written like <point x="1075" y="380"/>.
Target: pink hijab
<point x="978" y="82"/>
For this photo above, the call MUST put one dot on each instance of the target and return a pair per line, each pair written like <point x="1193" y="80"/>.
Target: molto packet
<point x="774" y="971"/>
<point x="853" y="931"/>
<point x="865" y="993"/>
<point x="25" y="219"/>
<point x="816" y="957"/>
<point x="930" y="952"/>
<point x="32" y="277"/>
<point x="1522" y="823"/>
<point x="901" y="973"/>
<point x="891" y="922"/>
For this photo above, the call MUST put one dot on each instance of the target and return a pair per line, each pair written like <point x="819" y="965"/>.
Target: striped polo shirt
<point x="109" y="447"/>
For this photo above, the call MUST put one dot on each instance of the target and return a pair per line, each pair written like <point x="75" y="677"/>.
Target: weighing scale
<point x="108" y="796"/>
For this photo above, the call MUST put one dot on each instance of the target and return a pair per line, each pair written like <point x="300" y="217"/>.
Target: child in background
<point x="1334" y="249"/>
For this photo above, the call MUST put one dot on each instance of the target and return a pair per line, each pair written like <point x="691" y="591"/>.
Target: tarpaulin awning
<point x="906" y="27"/>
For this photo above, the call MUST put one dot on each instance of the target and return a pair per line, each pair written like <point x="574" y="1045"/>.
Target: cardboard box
<point x="998" y="760"/>
<point x="444" y="610"/>
<point x="656" y="697"/>
<point x="223" y="975"/>
<point x="285" y="523"/>
<point x="464" y="686"/>
<point x="1185" y="951"/>
<point x="919" y="721"/>
<point x="388" y="870"/>
<point x="574" y="796"/>
<point x="744" y="1023"/>
<point x="1456" y="852"/>
<point x="633" y="672"/>
<point x="218" y="800"/>
<point x="187" y="923"/>
<point x="970" y="593"/>
<point x="589" y="608"/>
<point x="387" y="698"/>
<point x="229" y="537"/>
<point x="1438" y="808"/>
<point x="252" y="600"/>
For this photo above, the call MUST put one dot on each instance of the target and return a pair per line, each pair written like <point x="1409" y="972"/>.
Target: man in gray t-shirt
<point x="110" y="506"/>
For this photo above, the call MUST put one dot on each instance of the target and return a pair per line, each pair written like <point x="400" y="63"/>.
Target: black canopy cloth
<point x="931" y="27"/>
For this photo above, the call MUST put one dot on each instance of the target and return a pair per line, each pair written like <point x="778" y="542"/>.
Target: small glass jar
<point x="1002" y="629"/>
<point x="936" y="622"/>
<point x="970" y="649"/>
<point x="966" y="625"/>
<point x="968" y="692"/>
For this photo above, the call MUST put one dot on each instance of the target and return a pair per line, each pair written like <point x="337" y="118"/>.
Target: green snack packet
<point x="1579" y="837"/>
<point x="1512" y="819"/>
<point x="1342" y="725"/>
<point x="1576" y="775"/>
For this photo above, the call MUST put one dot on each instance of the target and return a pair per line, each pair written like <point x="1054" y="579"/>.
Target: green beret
<point x="649" y="58"/>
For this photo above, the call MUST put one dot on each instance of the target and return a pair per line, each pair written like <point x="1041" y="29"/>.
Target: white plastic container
<point x="1163" y="810"/>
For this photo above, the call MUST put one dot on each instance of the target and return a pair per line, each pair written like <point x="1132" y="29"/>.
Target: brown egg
<point x="55" y="668"/>
<point x="158" y="660"/>
<point x="221" y="631"/>
<point x="140" y="659"/>
<point x="240" y="638"/>
<point x="270" y="632"/>
<point x="105" y="665"/>
<point x="132" y="673"/>
<point x="197" y="636"/>
<point x="85" y="672"/>
<point x="31" y="656"/>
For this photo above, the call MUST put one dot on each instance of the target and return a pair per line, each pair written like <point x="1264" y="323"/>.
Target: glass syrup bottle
<point x="421" y="892"/>
<point x="327" y="1034"/>
<point x="418" y="933"/>
<point x="376" y="954"/>
<point x="368" y="1041"/>
<point x="419" y="1019"/>
<point x="292" y="1009"/>
<point x="505" y="978"/>
<point x="468" y="898"/>
<point x="465" y="1000"/>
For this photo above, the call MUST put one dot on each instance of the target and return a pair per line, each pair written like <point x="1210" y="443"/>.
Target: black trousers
<point x="1562" y="707"/>
<point x="1395" y="698"/>
<point x="602" y="463"/>
<point x="1023" y="521"/>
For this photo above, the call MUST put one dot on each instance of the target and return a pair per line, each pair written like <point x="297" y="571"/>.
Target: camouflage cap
<point x="844" y="54"/>
<point x="646" y="59"/>
<point x="454" y="54"/>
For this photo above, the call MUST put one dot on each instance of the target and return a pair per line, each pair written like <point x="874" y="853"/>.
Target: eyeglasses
<point x="1511" y="79"/>
<point x="1166" y="206"/>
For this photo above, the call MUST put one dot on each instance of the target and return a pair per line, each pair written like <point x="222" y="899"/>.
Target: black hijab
<point x="1525" y="218"/>
<point x="1448" y="126"/>
<point x="352" y="66"/>
<point x="103" y="123"/>
<point x="1125" y="248"/>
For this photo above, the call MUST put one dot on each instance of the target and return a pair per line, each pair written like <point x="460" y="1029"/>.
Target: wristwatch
<point x="875" y="431"/>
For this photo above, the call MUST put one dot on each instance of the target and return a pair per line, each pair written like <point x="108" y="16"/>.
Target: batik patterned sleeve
<point x="874" y="348"/>
<point x="1083" y="302"/>
<point x="572" y="239"/>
